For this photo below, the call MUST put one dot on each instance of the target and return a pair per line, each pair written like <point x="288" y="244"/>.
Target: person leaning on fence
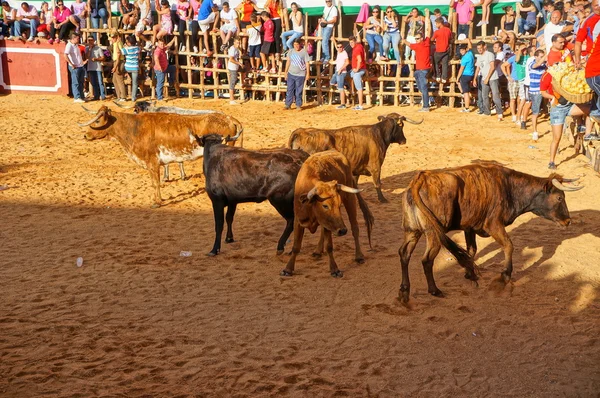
<point x="129" y="14"/>
<point x="9" y="16"/>
<point x="208" y="14"/>
<point x="118" y="68"/>
<point x="441" y="57"/>
<point x="230" y="25"/>
<point x="422" y="49"/>
<point x="99" y="10"/>
<point x="95" y="57"/>
<point x="76" y="67"/>
<point x="233" y="67"/>
<point x="27" y="18"/>
<point x="45" y="20"/>
<point x="184" y="15"/>
<point x="297" y="30"/>
<point x="466" y="74"/>
<point x="416" y="24"/>
<point x="161" y="64"/>
<point x="359" y="68"/>
<point x="437" y="13"/>
<point x="373" y="30"/>
<point x="341" y="70"/>
<point x="297" y="73"/>
<point x="330" y="17"/>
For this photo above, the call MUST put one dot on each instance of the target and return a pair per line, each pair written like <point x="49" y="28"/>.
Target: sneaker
<point x="479" y="23"/>
<point x="30" y="39"/>
<point x="437" y="79"/>
<point x="358" y="108"/>
<point x="233" y="103"/>
<point x="465" y="110"/>
<point x="105" y="26"/>
<point x="552" y="166"/>
<point x="479" y="112"/>
<point x="148" y="46"/>
<point x="443" y="81"/>
<point x="195" y="50"/>
<point x="514" y="119"/>
<point x="535" y="136"/>
<point x="122" y="99"/>
<point x="223" y="47"/>
<point x="51" y="41"/>
<point x="540" y="15"/>
<point x="523" y="126"/>
<point x="500" y="119"/>
<point x="182" y="49"/>
<point x="1" y="37"/>
<point x="341" y="106"/>
<point x="204" y="51"/>
<point x="147" y="27"/>
<point x="484" y="114"/>
<point x="493" y="112"/>
<point x="423" y="110"/>
<point x="591" y="137"/>
<point x="79" y="101"/>
<point x="286" y="108"/>
<point x="176" y="29"/>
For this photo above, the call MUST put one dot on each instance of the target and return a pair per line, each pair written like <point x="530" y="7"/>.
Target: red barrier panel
<point x="33" y="68"/>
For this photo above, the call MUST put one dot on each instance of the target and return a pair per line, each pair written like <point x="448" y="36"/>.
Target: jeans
<point x="97" y="84"/>
<point x="525" y="25"/>
<point x="100" y="14"/>
<point x="22" y="25"/>
<point x="540" y="8"/>
<point x="357" y="78"/>
<point x="289" y="43"/>
<point x="441" y="59"/>
<point x="326" y="33"/>
<point x="4" y="29"/>
<point x="160" y="83"/>
<point x="339" y="79"/>
<point x="372" y="39"/>
<point x="422" y="86"/>
<point x="463" y="29"/>
<point x="295" y="85"/>
<point x="495" y="86"/>
<point x="77" y="75"/>
<point x="134" y="84"/>
<point x="394" y="38"/>
<point x="594" y="83"/>
<point x="183" y="25"/>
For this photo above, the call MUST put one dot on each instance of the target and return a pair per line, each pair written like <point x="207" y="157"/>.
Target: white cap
<point x="462" y="36"/>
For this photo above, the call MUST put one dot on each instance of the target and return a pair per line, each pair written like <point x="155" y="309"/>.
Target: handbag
<point x="324" y="23"/>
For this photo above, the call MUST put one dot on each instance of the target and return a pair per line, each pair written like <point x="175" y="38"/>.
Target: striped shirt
<point x="535" y="76"/>
<point x="390" y="28"/>
<point x="132" y="60"/>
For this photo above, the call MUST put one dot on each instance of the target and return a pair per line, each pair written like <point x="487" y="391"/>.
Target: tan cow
<point x="155" y="139"/>
<point x="324" y="183"/>
<point x="364" y="146"/>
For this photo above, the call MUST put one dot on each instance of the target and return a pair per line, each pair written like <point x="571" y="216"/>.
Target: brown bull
<point x="324" y="183"/>
<point x="479" y="200"/>
<point x="364" y="146"/>
<point x="155" y="139"/>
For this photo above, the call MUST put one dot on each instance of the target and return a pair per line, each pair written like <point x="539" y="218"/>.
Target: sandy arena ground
<point x="137" y="319"/>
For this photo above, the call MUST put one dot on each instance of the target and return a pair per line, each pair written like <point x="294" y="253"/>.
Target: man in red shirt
<point x="592" y="77"/>
<point x="442" y="44"/>
<point x="423" y="64"/>
<point x="161" y="64"/>
<point x="585" y="34"/>
<point x="557" y="52"/>
<point x="358" y="69"/>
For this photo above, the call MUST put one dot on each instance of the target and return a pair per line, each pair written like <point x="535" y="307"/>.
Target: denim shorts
<point x="254" y="51"/>
<point x="536" y="103"/>
<point x="357" y="78"/>
<point x="559" y="113"/>
<point x="465" y="83"/>
<point x="339" y="79"/>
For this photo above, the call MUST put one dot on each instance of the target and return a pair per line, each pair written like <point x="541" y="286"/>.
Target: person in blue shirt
<point x="207" y="14"/>
<point x="132" y="63"/>
<point x="466" y="74"/>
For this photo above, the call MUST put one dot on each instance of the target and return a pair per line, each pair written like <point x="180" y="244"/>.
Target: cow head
<point x="143" y="106"/>
<point x="550" y="202"/>
<point x="396" y="127"/>
<point x="99" y="124"/>
<point x="325" y="201"/>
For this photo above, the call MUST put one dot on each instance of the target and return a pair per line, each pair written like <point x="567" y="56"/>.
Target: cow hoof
<point x="383" y="200"/>
<point x="229" y="240"/>
<point x="337" y="274"/>
<point x="404" y="294"/>
<point x="279" y="252"/>
<point x="437" y="293"/>
<point x="316" y="255"/>
<point x="470" y="275"/>
<point x="285" y="272"/>
<point x="505" y="277"/>
<point x="360" y="260"/>
<point x="155" y="206"/>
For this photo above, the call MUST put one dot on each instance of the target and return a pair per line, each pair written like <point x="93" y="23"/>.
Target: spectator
<point x="27" y="18"/>
<point x="129" y="16"/>
<point x="465" y="11"/>
<point x="341" y="70"/>
<point x="501" y="54"/>
<point x="392" y="35"/>
<point x="555" y="26"/>
<point x="208" y="14"/>
<point x="442" y="50"/>
<point x="254" y="41"/>
<point x="330" y="17"/>
<point x="76" y="67"/>
<point x="507" y="22"/>
<point x="245" y="10"/>
<point x="132" y="62"/>
<point x="233" y="66"/>
<point x="359" y="68"/>
<point x="373" y="29"/>
<point x="557" y="52"/>
<point x="584" y="36"/>
<point x="592" y="73"/>
<point x="486" y="79"/>
<point x="61" y="22"/>
<point x="514" y="70"/>
<point x="161" y="64"/>
<point x="485" y="12"/>
<point x="297" y="72"/>
<point x="416" y="24"/>
<point x="268" y="45"/>
<point x="466" y="74"/>
<point x="527" y="19"/>
<point x="546" y="8"/>
<point x="79" y="14"/>
<point x="195" y="27"/>
<point x="184" y="13"/>
<point x="165" y="27"/>
<point x="145" y="21"/>
<point x="100" y="10"/>
<point x="290" y="36"/>
<point x="437" y="13"/>
<point x="45" y="20"/>
<point x="230" y="25"/>
<point x="422" y="49"/>
<point x="118" y="68"/>
<point x="95" y="57"/>
<point x="9" y="16"/>
<point x="275" y="9"/>
<point x="536" y="68"/>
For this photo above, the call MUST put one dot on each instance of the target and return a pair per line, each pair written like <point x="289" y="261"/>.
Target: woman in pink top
<point x="195" y="8"/>
<point x="165" y="27"/>
<point x="184" y="11"/>
<point x="78" y="14"/>
<point x="275" y="9"/>
<point x="60" y="22"/>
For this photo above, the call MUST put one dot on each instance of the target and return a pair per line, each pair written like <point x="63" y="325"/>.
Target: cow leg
<point x="431" y="252"/>
<point x="229" y="218"/>
<point x="155" y="177"/>
<point x="333" y="268"/>
<point x="319" y="250"/>
<point x="298" y="236"/>
<point x="411" y="238"/>
<point x="376" y="173"/>
<point x="218" y="212"/>
<point x="349" y="201"/>
<point x="287" y="213"/>
<point x="166" y="173"/>
<point x="499" y="234"/>
<point x="181" y="171"/>
<point x="470" y="238"/>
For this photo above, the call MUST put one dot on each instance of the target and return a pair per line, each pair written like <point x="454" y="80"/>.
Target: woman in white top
<point x="373" y="30"/>
<point x="297" y="29"/>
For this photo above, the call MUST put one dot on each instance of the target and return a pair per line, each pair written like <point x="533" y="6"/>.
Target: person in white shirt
<point x="76" y="67"/>
<point x="233" y="65"/>
<point x="27" y="18"/>
<point x="330" y="17"/>
<point x="290" y="36"/>
<point x="230" y="24"/>
<point x="555" y="26"/>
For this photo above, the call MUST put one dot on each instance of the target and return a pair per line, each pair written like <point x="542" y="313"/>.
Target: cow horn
<point x="311" y="193"/>
<point x="345" y="188"/>
<point x="122" y="106"/>
<point x="411" y="121"/>
<point x="235" y="137"/>
<point x="570" y="179"/>
<point x="89" y="110"/>
<point x="94" y="120"/>
<point x="560" y="186"/>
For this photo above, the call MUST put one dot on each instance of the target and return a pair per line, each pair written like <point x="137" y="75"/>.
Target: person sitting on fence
<point x="254" y="41"/>
<point x="485" y="12"/>
<point x="330" y="17"/>
<point x="297" y="31"/>
<point x="233" y="66"/>
<point x="208" y="14"/>
<point x="145" y="21"/>
<point x="27" y="18"/>
<point x="441" y="57"/>
<point x="297" y="73"/>
<point x="79" y="14"/>
<point x="392" y="35"/>
<point x="422" y="49"/>
<point x="415" y="25"/>
<point x="338" y="77"/>
<point x="76" y="66"/>
<point x="245" y="10"/>
<point x="95" y="57"/>
<point x="466" y="74"/>
<point x="507" y="22"/>
<point x="165" y="27"/>
<point x="161" y="64"/>
<point x="527" y="19"/>
<point x="275" y="10"/>
<point x="437" y="13"/>
<point x="536" y="68"/>
<point x="230" y="25"/>
<point x="60" y="22"/>
<point x="465" y="11"/>
<point x="99" y="10"/>
<point x="132" y="62"/>
<point x="9" y="16"/>
<point x="267" y="49"/>
<point x="184" y="15"/>
<point x="45" y="20"/>
<point x="373" y="30"/>
<point x="359" y="68"/>
<point x="193" y="25"/>
<point x="514" y="70"/>
<point x="129" y="16"/>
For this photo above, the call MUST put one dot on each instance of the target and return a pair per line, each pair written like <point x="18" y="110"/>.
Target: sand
<point x="138" y="319"/>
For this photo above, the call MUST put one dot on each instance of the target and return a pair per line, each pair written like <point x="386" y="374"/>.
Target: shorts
<point x="513" y="89"/>
<point x="357" y="78"/>
<point x="522" y="93"/>
<point x="559" y="113"/>
<point x="267" y="47"/>
<point x="465" y="83"/>
<point x="233" y="77"/>
<point x="230" y="27"/>
<point x="205" y="23"/>
<point x="254" y="51"/>
<point x="140" y="25"/>
<point x="339" y="78"/>
<point x="244" y="24"/>
<point x="536" y="103"/>
<point x="167" y="26"/>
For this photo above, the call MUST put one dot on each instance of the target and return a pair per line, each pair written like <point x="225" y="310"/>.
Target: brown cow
<point x="155" y="139"/>
<point x="364" y="146"/>
<point x="479" y="199"/>
<point x="325" y="182"/>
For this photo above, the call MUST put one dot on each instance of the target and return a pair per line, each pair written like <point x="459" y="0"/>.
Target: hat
<point x="462" y="36"/>
<point x="114" y="33"/>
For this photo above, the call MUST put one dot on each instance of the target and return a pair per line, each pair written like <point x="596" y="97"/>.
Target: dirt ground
<point x="138" y="319"/>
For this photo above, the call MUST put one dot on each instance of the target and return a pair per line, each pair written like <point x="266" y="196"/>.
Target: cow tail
<point x="292" y="139"/>
<point x="368" y="216"/>
<point x="461" y="255"/>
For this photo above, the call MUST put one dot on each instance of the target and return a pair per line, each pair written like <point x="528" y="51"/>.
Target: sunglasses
<point x="418" y="38"/>
<point x="340" y="46"/>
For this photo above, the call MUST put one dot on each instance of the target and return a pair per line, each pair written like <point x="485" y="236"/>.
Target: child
<point x="161" y="63"/>
<point x="268" y="46"/>
<point x="165" y="27"/>
<point x="254" y="41"/>
<point x="132" y="63"/>
<point x="233" y="65"/>
<point x="79" y="15"/>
